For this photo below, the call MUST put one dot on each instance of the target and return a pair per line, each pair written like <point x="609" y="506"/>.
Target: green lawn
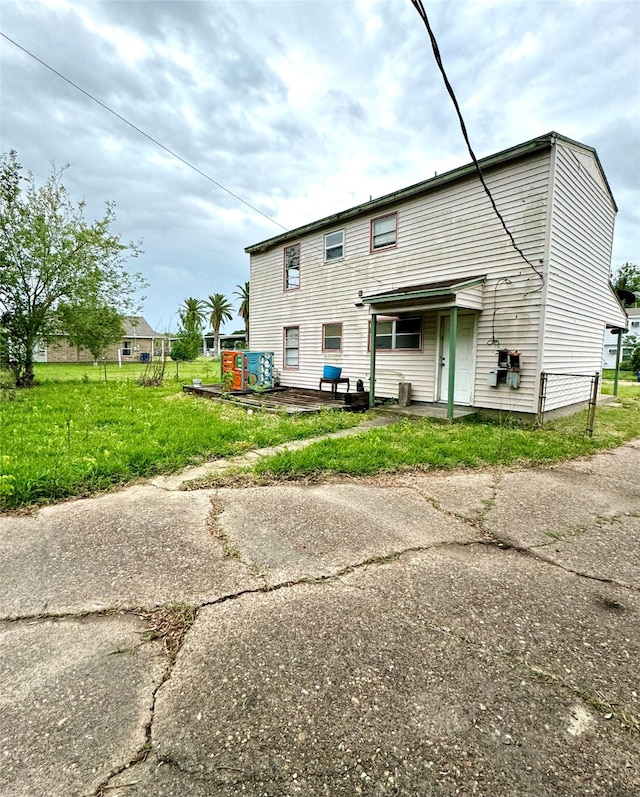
<point x="204" y="368"/>
<point x="428" y="444"/>
<point x="74" y="434"/>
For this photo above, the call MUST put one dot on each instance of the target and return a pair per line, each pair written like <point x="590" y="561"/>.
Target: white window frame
<point x="288" y="348"/>
<point x="394" y="334"/>
<point x="326" y="337"/>
<point x="127" y="349"/>
<point x="389" y="244"/>
<point x="333" y="246"/>
<point x="288" y="286"/>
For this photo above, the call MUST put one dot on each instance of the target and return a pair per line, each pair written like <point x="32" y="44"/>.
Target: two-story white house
<point x="431" y="275"/>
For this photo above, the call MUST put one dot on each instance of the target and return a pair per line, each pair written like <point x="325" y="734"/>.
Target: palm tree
<point x="243" y="310"/>
<point x="193" y="315"/>
<point x="219" y="311"/>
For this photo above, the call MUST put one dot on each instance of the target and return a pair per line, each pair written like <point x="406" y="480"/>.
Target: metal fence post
<point x="591" y="415"/>
<point x="541" y="397"/>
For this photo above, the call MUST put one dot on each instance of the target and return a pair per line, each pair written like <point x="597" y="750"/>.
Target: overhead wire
<point x="158" y="143"/>
<point x="143" y="133"/>
<point x="418" y="5"/>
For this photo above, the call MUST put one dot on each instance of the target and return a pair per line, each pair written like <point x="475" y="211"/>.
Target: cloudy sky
<point x="302" y="109"/>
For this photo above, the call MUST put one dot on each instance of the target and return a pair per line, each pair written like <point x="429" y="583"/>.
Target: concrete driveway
<point x="475" y="633"/>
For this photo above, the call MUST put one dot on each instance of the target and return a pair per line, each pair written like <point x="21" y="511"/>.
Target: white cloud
<point x="303" y="109"/>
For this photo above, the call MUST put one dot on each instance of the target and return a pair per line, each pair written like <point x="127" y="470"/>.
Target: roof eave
<point x="454" y="175"/>
<point x="426" y="294"/>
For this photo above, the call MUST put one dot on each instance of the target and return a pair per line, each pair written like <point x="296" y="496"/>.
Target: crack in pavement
<point x="146" y="747"/>
<point x="477" y="522"/>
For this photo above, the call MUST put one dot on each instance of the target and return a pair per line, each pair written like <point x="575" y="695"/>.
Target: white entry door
<point x="465" y="359"/>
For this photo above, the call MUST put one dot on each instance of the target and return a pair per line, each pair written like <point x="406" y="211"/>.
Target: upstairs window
<point x="334" y="245"/>
<point x="399" y="333"/>
<point x="332" y="337"/>
<point x="384" y="232"/>
<point x="292" y="267"/>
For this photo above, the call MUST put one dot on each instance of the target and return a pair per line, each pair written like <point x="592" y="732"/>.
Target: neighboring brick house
<point x="139" y="343"/>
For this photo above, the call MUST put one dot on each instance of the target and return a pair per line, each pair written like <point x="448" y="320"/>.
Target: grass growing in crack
<point x="169" y="624"/>
<point x="627" y="720"/>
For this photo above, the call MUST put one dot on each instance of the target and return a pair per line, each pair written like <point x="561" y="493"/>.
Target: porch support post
<point x="618" y="354"/>
<point x="453" y="334"/>
<point x="372" y="366"/>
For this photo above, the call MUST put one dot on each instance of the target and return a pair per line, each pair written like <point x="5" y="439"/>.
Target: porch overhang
<point x="453" y="294"/>
<point x="465" y="293"/>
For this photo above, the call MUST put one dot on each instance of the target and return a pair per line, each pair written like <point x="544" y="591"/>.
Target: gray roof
<point x="462" y="173"/>
<point x="135" y="326"/>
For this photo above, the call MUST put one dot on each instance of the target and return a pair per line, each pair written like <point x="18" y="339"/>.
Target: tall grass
<point x="66" y="438"/>
<point x="428" y="444"/>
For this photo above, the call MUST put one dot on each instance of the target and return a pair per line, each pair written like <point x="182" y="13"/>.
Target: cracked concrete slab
<point x="292" y="532"/>
<point x="619" y="463"/>
<point x="138" y="547"/>
<point x="534" y="506"/>
<point x="428" y="657"/>
<point x="608" y="549"/>
<point x="373" y="684"/>
<point x="71" y="707"/>
<point x="465" y="494"/>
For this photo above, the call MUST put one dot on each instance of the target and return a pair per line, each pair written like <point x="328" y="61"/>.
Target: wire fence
<point x="561" y="390"/>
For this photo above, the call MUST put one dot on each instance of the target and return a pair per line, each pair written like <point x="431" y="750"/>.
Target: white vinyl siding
<point x="579" y="302"/>
<point x="449" y="232"/>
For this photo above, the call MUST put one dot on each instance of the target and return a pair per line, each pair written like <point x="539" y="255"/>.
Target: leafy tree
<point x="186" y="348"/>
<point x="92" y="326"/>
<point x="627" y="278"/>
<point x="633" y="341"/>
<point x="219" y="311"/>
<point x="243" y="310"/>
<point x="51" y="257"/>
<point x="193" y="315"/>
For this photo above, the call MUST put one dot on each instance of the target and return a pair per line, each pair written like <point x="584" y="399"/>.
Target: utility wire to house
<point x="418" y="5"/>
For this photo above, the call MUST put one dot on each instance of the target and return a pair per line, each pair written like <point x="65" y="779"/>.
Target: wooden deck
<point x="299" y="399"/>
<point x="283" y="399"/>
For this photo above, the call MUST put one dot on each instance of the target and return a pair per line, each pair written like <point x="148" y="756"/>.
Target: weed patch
<point x="169" y="624"/>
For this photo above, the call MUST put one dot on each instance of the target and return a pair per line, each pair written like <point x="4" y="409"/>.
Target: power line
<point x="417" y="4"/>
<point x="158" y="143"/>
<point x="142" y="132"/>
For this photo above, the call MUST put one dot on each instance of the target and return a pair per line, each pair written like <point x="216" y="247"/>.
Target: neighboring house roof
<point x="135" y="326"/>
<point x="418" y="189"/>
